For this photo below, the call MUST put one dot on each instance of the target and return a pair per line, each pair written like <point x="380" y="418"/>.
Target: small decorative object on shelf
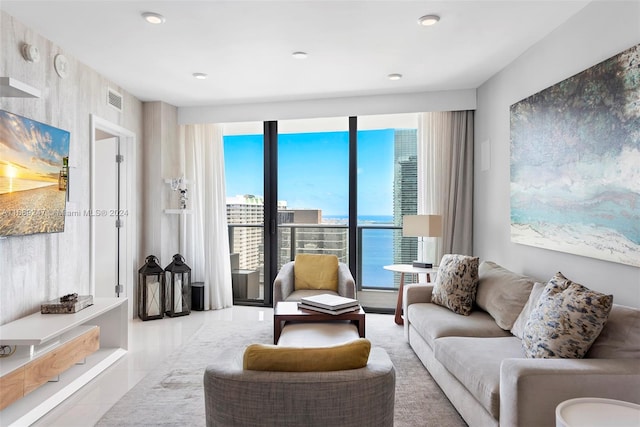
<point x="7" y="350"/>
<point x="70" y="303"/>
<point x="151" y="290"/>
<point x="179" y="184"/>
<point x="183" y="198"/>
<point x="178" y="287"/>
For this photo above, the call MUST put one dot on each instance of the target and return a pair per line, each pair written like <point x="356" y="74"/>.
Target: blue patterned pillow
<point x="566" y="321"/>
<point x="456" y="283"/>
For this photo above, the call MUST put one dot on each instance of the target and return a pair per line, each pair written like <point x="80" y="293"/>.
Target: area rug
<point x="173" y="395"/>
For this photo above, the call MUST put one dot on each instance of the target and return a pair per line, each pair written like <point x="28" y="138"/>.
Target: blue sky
<point x="314" y="170"/>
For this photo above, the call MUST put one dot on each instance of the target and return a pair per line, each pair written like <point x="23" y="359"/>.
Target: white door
<point x="110" y="218"/>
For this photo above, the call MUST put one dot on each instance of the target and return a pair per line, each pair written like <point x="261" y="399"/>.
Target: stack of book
<point x="330" y="304"/>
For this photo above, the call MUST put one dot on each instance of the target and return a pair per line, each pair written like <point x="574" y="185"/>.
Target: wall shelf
<point x="12" y="88"/>
<point x="177" y="211"/>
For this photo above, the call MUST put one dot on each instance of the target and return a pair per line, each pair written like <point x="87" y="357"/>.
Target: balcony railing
<point x="378" y="245"/>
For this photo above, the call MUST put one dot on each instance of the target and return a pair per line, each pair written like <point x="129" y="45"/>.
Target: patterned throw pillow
<point x="566" y="321"/>
<point x="456" y="283"/>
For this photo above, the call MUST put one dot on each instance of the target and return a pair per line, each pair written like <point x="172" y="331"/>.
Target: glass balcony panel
<point x="246" y="244"/>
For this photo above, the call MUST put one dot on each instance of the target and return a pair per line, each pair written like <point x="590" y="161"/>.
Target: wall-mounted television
<point x="34" y="173"/>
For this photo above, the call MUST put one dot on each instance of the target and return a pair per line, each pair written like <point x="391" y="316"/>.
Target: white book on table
<point x="328" y="310"/>
<point x="329" y="301"/>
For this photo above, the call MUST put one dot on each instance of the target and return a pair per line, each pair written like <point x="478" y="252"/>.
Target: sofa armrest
<point x="530" y="389"/>
<point x="412" y="294"/>
<point x="346" y="284"/>
<point x="417" y="292"/>
<point x="283" y="285"/>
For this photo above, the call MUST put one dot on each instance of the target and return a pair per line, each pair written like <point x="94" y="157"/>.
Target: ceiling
<point x="245" y="47"/>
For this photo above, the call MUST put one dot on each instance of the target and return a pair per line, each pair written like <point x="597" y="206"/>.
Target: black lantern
<point x="178" y="287"/>
<point x="151" y="290"/>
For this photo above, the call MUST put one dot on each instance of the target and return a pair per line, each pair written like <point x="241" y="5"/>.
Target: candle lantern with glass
<point x="178" y="287"/>
<point x="151" y="290"/>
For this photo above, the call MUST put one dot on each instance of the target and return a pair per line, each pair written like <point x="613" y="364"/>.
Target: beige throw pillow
<point x="502" y="293"/>
<point x="523" y="317"/>
<point x="456" y="283"/>
<point x="566" y="321"/>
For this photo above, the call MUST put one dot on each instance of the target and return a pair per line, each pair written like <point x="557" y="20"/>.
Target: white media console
<point x="49" y="345"/>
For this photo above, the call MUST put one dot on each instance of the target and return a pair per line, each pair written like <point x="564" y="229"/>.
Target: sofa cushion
<point x="567" y="320"/>
<point x="315" y="271"/>
<point x="475" y="362"/>
<point x="502" y="293"/>
<point x="523" y="317"/>
<point x="267" y="357"/>
<point x="433" y="321"/>
<point x="620" y="337"/>
<point x="456" y="283"/>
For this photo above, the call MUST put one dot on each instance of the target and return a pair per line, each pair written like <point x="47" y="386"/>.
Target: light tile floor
<point x="149" y="343"/>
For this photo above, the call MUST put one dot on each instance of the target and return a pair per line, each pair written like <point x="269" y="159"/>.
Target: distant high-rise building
<point x="405" y="192"/>
<point x="247" y="242"/>
<point x="323" y="239"/>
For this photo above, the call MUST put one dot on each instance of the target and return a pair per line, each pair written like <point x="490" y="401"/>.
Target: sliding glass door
<point x="244" y="176"/>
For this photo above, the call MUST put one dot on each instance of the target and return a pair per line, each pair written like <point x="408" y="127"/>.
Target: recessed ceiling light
<point x="200" y="76"/>
<point x="428" y="20"/>
<point x="299" y="55"/>
<point x="394" y="76"/>
<point x="153" y="18"/>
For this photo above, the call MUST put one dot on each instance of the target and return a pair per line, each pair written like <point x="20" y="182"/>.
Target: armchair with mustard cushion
<point x="312" y="274"/>
<point x="347" y="385"/>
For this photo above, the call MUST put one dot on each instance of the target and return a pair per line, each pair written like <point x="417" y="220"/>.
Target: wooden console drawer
<point x="51" y="364"/>
<point x="11" y="387"/>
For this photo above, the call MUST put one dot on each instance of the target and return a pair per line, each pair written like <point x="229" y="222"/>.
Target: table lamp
<point x="422" y="226"/>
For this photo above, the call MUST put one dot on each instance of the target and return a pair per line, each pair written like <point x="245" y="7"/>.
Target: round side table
<point x="407" y="269"/>
<point x="597" y="412"/>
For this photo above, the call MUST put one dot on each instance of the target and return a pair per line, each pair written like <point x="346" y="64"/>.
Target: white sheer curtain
<point x="207" y="235"/>
<point x="445" y="177"/>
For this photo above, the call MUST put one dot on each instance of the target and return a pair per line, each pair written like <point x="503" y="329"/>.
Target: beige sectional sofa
<point x="483" y="368"/>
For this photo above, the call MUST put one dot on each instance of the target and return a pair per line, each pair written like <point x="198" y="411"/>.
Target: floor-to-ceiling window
<point x="316" y="163"/>
<point x="387" y="190"/>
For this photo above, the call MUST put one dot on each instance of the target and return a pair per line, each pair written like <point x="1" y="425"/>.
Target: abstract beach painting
<point x="33" y="176"/>
<point x="575" y="163"/>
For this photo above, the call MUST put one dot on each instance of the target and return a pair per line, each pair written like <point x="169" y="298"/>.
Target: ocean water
<point x="377" y="249"/>
<point x="9" y="185"/>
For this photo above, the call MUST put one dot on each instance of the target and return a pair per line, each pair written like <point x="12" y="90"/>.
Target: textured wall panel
<point x="40" y="267"/>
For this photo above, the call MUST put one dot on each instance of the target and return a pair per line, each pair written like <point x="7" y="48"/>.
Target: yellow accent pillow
<point x="267" y="357"/>
<point x="313" y="271"/>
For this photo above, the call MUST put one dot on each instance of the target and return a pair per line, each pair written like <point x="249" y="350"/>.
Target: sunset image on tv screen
<point x="34" y="166"/>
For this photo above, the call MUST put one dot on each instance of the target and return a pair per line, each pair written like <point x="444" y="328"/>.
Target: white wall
<point x="599" y="31"/>
<point x="162" y="160"/>
<point x="36" y="268"/>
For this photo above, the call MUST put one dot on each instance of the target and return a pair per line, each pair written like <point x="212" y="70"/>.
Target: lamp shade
<point x="422" y="226"/>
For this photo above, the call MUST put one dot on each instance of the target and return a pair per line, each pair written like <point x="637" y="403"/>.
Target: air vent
<point x="114" y="99"/>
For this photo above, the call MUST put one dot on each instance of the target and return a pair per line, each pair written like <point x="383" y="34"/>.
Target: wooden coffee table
<point x="288" y="311"/>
